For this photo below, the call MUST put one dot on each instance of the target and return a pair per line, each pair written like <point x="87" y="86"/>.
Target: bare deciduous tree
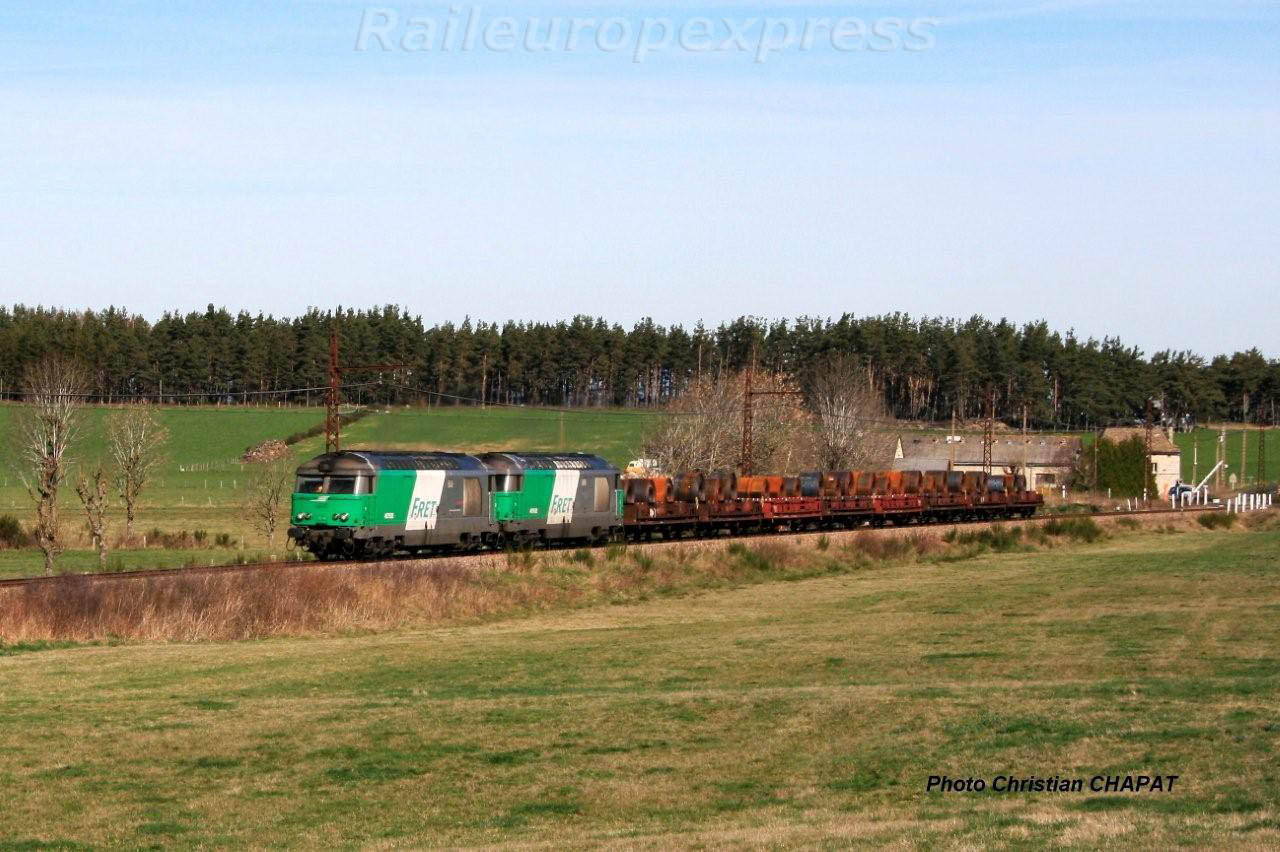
<point x="44" y="431"/>
<point x="135" y="439"/>
<point x="92" y="488"/>
<point x="270" y="486"/>
<point x="698" y="429"/>
<point x="702" y="428"/>
<point x="850" y="423"/>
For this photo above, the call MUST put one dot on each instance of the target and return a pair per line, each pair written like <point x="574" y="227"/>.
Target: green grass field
<point x="1206" y="440"/>
<point x="202" y="466"/>
<point x="202" y="483"/>
<point x="775" y="714"/>
<point x="204" y="444"/>
<point x="614" y="434"/>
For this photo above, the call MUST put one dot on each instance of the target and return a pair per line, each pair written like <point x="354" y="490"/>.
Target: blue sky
<point x="1112" y="167"/>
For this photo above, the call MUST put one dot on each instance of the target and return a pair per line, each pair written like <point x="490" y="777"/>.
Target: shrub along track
<point x="477" y="560"/>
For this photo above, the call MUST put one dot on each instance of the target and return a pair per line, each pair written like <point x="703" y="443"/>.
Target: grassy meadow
<point x="1206" y="441"/>
<point x="615" y="434"/>
<point x="201" y="467"/>
<point x="794" y="705"/>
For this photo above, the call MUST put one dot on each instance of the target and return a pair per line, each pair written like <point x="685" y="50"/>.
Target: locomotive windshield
<point x="310" y="485"/>
<point x="334" y="485"/>
<point x="342" y="484"/>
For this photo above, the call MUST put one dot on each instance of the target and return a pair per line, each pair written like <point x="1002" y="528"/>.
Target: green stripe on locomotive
<point x="393" y="498"/>
<point x="388" y="506"/>
<point x="531" y="503"/>
<point x="331" y="510"/>
<point x="555" y="497"/>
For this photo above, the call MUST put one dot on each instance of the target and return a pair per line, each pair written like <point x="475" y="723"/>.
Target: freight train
<point x="371" y="504"/>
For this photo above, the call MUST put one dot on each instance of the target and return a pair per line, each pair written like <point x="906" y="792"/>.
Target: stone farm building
<point x="1048" y="460"/>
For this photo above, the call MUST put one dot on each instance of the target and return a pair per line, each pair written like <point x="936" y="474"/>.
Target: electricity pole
<point x="951" y="443"/>
<point x="1220" y="456"/>
<point x="989" y="430"/>
<point x="1262" y="455"/>
<point x="748" y="415"/>
<point x="333" y="393"/>
<point x="1195" y="458"/>
<point x="1244" y="441"/>
<point x="332" y="417"/>
<point x="1097" y="439"/>
<point x="1024" y="439"/>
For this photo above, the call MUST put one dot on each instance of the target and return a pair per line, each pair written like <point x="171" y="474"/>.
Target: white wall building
<point x="1166" y="458"/>
<point x="1045" y="461"/>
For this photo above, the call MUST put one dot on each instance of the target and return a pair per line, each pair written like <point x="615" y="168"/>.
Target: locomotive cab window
<point x="309" y="485"/>
<point x="602" y="494"/>
<point x="343" y="485"/>
<point x="472" y="498"/>
<point x="335" y="485"/>
<point x="506" y="482"/>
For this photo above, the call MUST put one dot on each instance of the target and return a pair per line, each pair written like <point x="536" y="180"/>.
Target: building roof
<point x="933" y="452"/>
<point x="1160" y="443"/>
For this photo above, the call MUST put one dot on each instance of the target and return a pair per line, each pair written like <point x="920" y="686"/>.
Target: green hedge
<point x="1121" y="468"/>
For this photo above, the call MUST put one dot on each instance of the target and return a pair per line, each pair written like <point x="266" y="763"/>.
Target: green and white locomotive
<point x="372" y="503"/>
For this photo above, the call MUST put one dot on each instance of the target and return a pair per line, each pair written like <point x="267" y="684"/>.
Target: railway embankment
<point x="299" y="599"/>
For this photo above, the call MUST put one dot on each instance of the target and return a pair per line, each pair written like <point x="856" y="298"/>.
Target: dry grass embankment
<point x="310" y="599"/>
<point x="773" y="715"/>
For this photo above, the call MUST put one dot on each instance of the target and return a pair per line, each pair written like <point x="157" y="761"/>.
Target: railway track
<point x="242" y="568"/>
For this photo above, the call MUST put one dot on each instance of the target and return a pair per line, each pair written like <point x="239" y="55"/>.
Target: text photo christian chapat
<point x="1053" y="784"/>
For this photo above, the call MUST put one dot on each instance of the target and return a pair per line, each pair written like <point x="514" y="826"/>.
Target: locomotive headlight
<point x="303" y="516"/>
<point x="341" y="516"/>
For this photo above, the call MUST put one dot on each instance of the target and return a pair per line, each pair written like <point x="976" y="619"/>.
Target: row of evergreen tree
<point x="925" y="368"/>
